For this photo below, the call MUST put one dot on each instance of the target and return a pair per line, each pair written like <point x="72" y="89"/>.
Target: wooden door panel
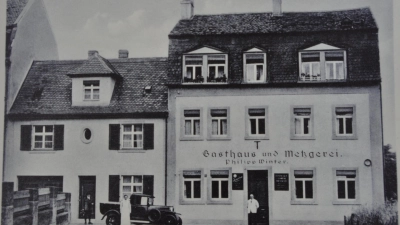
<point x="258" y="186"/>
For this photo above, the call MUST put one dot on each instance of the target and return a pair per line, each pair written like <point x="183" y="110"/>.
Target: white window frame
<point x="191" y="180"/>
<point x="335" y="123"/>
<point x="301" y="135"/>
<point x="334" y="70"/>
<point x="346" y="201"/>
<point x="132" y="184"/>
<point x="322" y="49"/>
<point x="264" y="65"/>
<point x="345" y="179"/>
<point x="91" y="88"/>
<point x="344" y="117"/>
<point x="205" y="52"/>
<point x="293" y="179"/>
<point x="43" y="135"/>
<point x="248" y="135"/>
<point x="194" y="75"/>
<point x="218" y="136"/>
<point x="216" y="69"/>
<point x="219" y="180"/>
<point x="132" y="133"/>
<point x="191" y="201"/>
<point x="184" y="136"/>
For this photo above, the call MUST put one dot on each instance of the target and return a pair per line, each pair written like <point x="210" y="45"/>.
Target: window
<point x="303" y="184"/>
<point x="128" y="184"/>
<point x="132" y="184"/>
<point x="86" y="135"/>
<point x="346" y="190"/>
<point x="344" y="122"/>
<point x="220" y="186"/>
<point x="322" y="63"/>
<point x="219" y="123"/>
<point x="132" y="136"/>
<point x="27" y="182"/>
<point x="136" y="136"/>
<point x="91" y="89"/>
<point x="256" y="123"/>
<point x="192" y="123"/>
<point x="42" y="137"/>
<point x="191" y="187"/>
<point x="205" y="65"/>
<point x="255" y="67"/>
<point x="302" y="123"/>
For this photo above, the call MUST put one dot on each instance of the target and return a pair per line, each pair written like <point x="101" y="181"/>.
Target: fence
<point x="42" y="206"/>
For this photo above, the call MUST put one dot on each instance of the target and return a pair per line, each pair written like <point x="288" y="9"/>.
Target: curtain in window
<point x="224" y="126"/>
<point x="259" y="72"/>
<point x="188" y="126"/>
<point x="214" y="127"/>
<point x="345" y="173"/>
<point x="303" y="173"/>
<point x="197" y="127"/>
<point x="302" y="111"/>
<point x="297" y="126"/>
<point x="250" y="72"/>
<point x="189" y="72"/>
<point x="344" y="110"/>
<point x="257" y="112"/>
<point x="221" y="71"/>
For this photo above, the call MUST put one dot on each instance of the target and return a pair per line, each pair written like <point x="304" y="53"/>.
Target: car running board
<point x="139" y="221"/>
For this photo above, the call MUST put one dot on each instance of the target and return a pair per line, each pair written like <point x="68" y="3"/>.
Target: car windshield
<point x="151" y="201"/>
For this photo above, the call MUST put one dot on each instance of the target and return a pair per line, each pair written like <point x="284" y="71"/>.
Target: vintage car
<point x="142" y="211"/>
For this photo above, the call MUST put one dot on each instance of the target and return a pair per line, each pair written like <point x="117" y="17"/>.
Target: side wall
<point x="350" y="153"/>
<point x="87" y="159"/>
<point x="34" y="40"/>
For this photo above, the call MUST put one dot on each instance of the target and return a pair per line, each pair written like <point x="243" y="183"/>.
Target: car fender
<point x="110" y="211"/>
<point x="165" y="213"/>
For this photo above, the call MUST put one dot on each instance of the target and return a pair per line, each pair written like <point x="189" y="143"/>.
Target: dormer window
<point x="91" y="89"/>
<point x="205" y="65"/>
<point x="322" y="63"/>
<point x="254" y="61"/>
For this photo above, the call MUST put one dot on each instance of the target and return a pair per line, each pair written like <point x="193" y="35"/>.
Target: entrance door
<point x="87" y="185"/>
<point x="258" y="186"/>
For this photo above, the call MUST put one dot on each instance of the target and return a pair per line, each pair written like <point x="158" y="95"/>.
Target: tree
<point x="390" y="173"/>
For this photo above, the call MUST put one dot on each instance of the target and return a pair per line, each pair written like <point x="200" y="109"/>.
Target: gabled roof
<point x="14" y="9"/>
<point x="264" y="23"/>
<point x="95" y="65"/>
<point x="47" y="90"/>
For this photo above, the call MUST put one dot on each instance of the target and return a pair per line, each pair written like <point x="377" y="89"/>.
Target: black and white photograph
<point x="199" y="112"/>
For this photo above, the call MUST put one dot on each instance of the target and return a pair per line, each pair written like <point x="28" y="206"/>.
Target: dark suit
<point x="87" y="206"/>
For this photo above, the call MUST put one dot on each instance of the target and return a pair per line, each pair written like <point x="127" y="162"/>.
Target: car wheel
<point x="180" y="221"/>
<point x="154" y="215"/>
<point x="170" y="220"/>
<point x="112" y="219"/>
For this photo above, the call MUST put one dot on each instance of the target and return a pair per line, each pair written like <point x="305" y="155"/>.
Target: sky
<point x="142" y="27"/>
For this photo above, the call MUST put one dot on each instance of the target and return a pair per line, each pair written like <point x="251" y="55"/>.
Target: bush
<point x="374" y="215"/>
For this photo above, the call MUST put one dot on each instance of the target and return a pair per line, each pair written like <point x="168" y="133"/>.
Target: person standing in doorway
<point x="252" y="206"/>
<point x="88" y="205"/>
<point x="125" y="211"/>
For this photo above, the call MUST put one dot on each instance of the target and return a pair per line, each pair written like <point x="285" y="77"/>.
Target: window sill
<point x="216" y="138"/>
<point x="132" y="151"/>
<point x="195" y="202"/>
<point x="305" y="202"/>
<point x="41" y="151"/>
<point x="322" y="81"/>
<point x="219" y="202"/>
<point x="349" y="137"/>
<point x="91" y="100"/>
<point x="346" y="202"/>
<point x="256" y="138"/>
<point x="302" y="138"/>
<point x="193" y="138"/>
<point x="204" y="83"/>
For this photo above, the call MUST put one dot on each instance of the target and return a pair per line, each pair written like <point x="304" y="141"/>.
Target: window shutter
<point x="113" y="143"/>
<point x="148" y="184"/>
<point x="113" y="188"/>
<point x="26" y="137"/>
<point x="148" y="132"/>
<point x="58" y="137"/>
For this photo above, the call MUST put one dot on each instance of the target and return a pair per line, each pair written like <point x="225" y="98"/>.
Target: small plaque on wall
<point x="237" y="181"/>
<point x="281" y="182"/>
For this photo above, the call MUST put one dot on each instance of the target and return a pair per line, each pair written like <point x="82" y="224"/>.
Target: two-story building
<point x="283" y="105"/>
<point x="93" y="126"/>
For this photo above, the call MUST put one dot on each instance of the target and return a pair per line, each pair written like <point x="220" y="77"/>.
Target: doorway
<point x="258" y="186"/>
<point x="87" y="185"/>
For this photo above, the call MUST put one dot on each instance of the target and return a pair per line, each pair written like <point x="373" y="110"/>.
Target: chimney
<point x="277" y="7"/>
<point x="122" y="54"/>
<point x="187" y="9"/>
<point x="92" y="53"/>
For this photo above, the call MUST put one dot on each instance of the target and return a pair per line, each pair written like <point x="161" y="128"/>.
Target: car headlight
<point x="171" y="208"/>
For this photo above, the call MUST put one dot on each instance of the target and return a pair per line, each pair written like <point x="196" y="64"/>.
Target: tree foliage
<point x="390" y="173"/>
